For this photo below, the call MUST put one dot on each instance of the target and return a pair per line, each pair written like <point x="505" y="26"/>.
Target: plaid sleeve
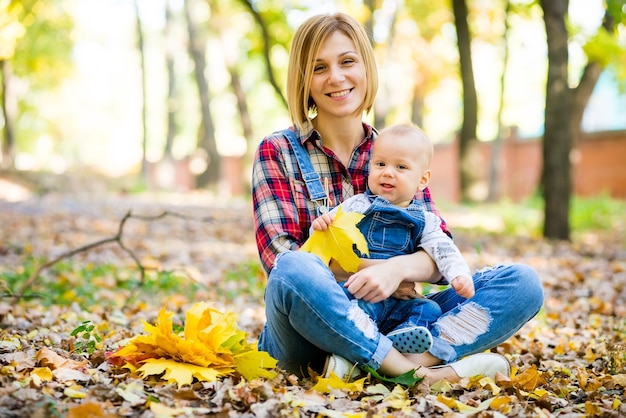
<point x="276" y="220"/>
<point x="426" y="198"/>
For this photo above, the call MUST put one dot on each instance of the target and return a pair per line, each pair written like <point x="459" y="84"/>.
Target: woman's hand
<point x="377" y="280"/>
<point x="373" y="283"/>
<point x="406" y="291"/>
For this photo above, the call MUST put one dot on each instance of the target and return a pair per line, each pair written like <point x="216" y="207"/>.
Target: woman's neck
<point x="341" y="136"/>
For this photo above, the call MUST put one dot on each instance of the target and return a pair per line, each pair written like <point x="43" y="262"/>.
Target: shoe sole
<point x="411" y="340"/>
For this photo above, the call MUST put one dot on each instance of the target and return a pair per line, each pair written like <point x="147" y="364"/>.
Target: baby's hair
<point x="412" y="131"/>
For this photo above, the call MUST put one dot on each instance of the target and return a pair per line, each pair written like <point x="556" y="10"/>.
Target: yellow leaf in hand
<point x="338" y="240"/>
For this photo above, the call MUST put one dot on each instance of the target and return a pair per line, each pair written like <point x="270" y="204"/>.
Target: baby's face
<point x="398" y="168"/>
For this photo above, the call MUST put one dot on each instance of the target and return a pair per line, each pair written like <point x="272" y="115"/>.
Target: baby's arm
<point x="447" y="256"/>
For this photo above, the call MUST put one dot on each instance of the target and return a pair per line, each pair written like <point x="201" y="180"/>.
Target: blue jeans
<point x="391" y="314"/>
<point x="309" y="315"/>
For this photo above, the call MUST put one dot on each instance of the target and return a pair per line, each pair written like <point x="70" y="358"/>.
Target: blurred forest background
<point x="175" y="94"/>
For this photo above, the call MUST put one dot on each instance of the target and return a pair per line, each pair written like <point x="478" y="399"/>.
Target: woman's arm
<point x="276" y="218"/>
<point x="377" y="280"/>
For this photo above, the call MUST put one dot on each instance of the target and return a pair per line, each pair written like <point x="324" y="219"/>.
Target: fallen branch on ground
<point x="117" y="238"/>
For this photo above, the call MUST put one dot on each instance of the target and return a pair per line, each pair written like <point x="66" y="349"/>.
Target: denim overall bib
<point x="309" y="175"/>
<point x="390" y="230"/>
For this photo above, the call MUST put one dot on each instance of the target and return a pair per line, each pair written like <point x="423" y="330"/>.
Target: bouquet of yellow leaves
<point x="210" y="347"/>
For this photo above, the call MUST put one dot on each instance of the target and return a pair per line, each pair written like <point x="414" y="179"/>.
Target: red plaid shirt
<point x="282" y="210"/>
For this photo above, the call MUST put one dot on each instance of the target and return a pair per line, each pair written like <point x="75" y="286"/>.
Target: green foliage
<point x="601" y="214"/>
<point x="617" y="10"/>
<point x="245" y="280"/>
<point x="42" y="54"/>
<point x="37" y="42"/>
<point x="69" y="282"/>
<point x="88" y="339"/>
<point x="407" y="379"/>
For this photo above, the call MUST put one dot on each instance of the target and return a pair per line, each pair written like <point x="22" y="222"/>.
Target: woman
<point x="319" y="162"/>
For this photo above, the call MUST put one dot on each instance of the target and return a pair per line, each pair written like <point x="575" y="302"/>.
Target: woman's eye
<point x="348" y="61"/>
<point x="318" y="68"/>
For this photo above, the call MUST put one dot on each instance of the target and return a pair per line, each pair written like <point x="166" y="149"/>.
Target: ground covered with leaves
<point x="175" y="251"/>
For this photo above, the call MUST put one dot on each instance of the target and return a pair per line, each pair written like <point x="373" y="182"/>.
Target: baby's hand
<point x="463" y="286"/>
<point x="323" y="222"/>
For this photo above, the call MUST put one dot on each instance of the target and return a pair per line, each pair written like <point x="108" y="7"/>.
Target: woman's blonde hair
<point x="304" y="49"/>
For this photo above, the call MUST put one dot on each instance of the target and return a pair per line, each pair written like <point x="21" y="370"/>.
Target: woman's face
<point x="339" y="81"/>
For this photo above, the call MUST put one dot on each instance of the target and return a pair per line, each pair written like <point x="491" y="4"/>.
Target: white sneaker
<point x="485" y="364"/>
<point x="344" y="369"/>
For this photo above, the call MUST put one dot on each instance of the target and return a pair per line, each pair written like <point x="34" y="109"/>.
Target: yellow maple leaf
<point x="325" y="384"/>
<point x="398" y="398"/>
<point x="181" y="373"/>
<point x="254" y="364"/>
<point x="211" y="346"/>
<point x="338" y="240"/>
<point x="453" y="403"/>
<point x="503" y="403"/>
<point x="529" y="379"/>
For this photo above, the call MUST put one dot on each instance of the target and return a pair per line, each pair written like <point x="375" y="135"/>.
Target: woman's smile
<point x="339" y="94"/>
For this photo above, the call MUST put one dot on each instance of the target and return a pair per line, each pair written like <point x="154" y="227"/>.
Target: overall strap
<point x="309" y="175"/>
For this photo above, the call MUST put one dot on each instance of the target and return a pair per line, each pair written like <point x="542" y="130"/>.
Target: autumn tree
<point x="225" y="22"/>
<point x="467" y="135"/>
<point x="206" y="134"/>
<point x="170" y="60"/>
<point x="496" y="147"/>
<point x="565" y="107"/>
<point x="35" y="46"/>
<point x="267" y="42"/>
<point x="144" y="116"/>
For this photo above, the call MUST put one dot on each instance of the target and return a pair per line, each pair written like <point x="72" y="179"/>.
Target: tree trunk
<point x="556" y="176"/>
<point x="172" y="102"/>
<point x="206" y="137"/>
<point x="582" y="93"/>
<point x="9" y="113"/>
<point x="495" y="163"/>
<point x="144" y="123"/>
<point x="384" y="100"/>
<point x="266" y="50"/>
<point x="470" y="102"/>
<point x="370" y="6"/>
<point x="417" y="104"/>
<point x="242" y="104"/>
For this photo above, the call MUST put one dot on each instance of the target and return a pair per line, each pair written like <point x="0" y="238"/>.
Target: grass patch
<point x="597" y="215"/>
<point x="72" y="282"/>
<point x="69" y="282"/>
<point x="245" y="280"/>
<point x="600" y="214"/>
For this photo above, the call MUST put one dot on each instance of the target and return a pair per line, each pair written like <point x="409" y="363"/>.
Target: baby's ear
<point x="425" y="180"/>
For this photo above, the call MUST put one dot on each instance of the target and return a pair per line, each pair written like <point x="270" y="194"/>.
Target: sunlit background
<point x="94" y="118"/>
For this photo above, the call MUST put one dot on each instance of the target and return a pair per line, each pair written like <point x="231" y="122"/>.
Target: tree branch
<point x="117" y="238"/>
